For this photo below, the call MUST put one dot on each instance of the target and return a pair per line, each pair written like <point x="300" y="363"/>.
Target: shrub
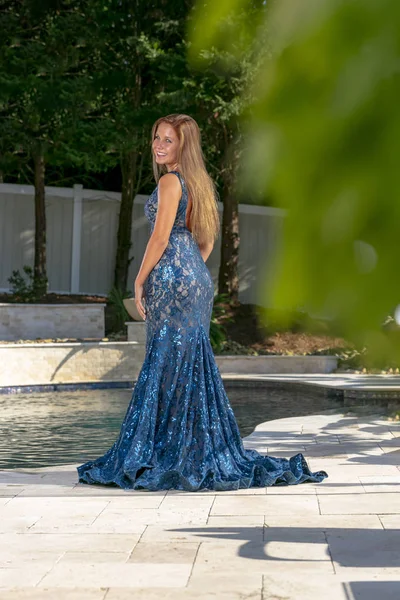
<point x="27" y="287"/>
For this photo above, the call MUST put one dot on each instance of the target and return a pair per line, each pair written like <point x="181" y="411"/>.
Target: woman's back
<point x="180" y="286"/>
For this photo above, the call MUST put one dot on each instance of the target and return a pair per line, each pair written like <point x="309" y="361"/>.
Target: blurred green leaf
<point x="323" y="141"/>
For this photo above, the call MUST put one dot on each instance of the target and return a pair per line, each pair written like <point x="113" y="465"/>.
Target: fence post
<point x="76" y="238"/>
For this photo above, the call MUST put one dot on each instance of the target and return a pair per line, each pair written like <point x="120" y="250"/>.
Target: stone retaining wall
<point x="73" y="362"/>
<point x="42" y="321"/>
<point x="34" y="364"/>
<point x="276" y="364"/>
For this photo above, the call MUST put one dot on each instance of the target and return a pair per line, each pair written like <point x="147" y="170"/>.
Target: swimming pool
<point x="55" y="428"/>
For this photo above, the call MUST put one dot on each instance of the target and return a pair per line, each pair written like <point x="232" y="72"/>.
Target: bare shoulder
<point x="170" y="183"/>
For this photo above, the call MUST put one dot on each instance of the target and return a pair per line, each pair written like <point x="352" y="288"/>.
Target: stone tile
<point x="253" y="491"/>
<point x="93" y="557"/>
<point x="293" y="535"/>
<point x="181" y="594"/>
<point x="24" y="574"/>
<point x="236" y="521"/>
<point x="341" y="488"/>
<point x="348" y="470"/>
<point x="323" y="522"/>
<point x="164" y="552"/>
<point x="158" y="532"/>
<point x="67" y="476"/>
<point x="9" y="490"/>
<point x="10" y="558"/>
<point x="301" y="587"/>
<point x="276" y="556"/>
<point x="178" y="503"/>
<point x="355" y="452"/>
<point x="135" y="502"/>
<point x="359" y="504"/>
<point x="198" y="494"/>
<point x="390" y="521"/>
<point x="365" y="549"/>
<point x="79" y="528"/>
<point x="325" y="451"/>
<point x="205" y="533"/>
<point x="278" y="545"/>
<point x="109" y="492"/>
<point x="35" y="491"/>
<point x="293" y="490"/>
<point x="383" y="459"/>
<point x="381" y="484"/>
<point x="243" y="584"/>
<point x="5" y="500"/>
<point x="381" y="586"/>
<point x="30" y="593"/>
<point x="18" y="477"/>
<point x="371" y="433"/>
<point x="113" y="574"/>
<point x="269" y="505"/>
<point x="63" y="542"/>
<point x="124" y="520"/>
<point x="389" y="445"/>
<point x="73" y="505"/>
<point x="320" y="440"/>
<point x="17" y="524"/>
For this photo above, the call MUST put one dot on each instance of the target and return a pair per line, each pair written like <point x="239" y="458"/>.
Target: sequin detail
<point x="179" y="430"/>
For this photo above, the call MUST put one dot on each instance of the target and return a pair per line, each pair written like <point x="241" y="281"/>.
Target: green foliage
<point x="324" y="134"/>
<point x="217" y="335"/>
<point x="119" y="315"/>
<point x="219" y="316"/>
<point x="25" y="287"/>
<point x="42" y="77"/>
<point x="231" y="347"/>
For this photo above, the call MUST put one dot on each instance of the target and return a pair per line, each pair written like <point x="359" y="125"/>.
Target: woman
<point x="179" y="430"/>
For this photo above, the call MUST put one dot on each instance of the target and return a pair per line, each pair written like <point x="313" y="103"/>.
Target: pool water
<point x="56" y="428"/>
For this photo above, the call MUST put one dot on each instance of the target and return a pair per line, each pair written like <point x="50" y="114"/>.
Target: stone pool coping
<point x="335" y="540"/>
<point x="342" y="385"/>
<point x="350" y="388"/>
<point x="49" y="363"/>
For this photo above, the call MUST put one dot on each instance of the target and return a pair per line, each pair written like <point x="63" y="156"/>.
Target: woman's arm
<point x="206" y="249"/>
<point x="169" y="194"/>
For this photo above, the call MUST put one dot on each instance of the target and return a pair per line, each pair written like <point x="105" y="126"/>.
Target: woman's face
<point x="166" y="145"/>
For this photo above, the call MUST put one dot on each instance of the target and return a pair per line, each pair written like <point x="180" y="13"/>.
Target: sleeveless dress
<point x="179" y="431"/>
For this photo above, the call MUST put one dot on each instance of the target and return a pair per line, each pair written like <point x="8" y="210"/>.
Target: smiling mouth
<point x="160" y="154"/>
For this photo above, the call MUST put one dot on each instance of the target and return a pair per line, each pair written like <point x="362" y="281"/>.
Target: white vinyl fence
<point x="82" y="234"/>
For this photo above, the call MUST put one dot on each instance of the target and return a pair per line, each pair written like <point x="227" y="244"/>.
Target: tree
<point x="132" y="71"/>
<point x="40" y="68"/>
<point x="222" y="96"/>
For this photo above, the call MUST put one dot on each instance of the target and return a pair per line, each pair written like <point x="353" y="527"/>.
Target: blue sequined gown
<point x="179" y="431"/>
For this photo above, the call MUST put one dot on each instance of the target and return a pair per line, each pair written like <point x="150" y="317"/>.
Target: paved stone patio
<point x="338" y="540"/>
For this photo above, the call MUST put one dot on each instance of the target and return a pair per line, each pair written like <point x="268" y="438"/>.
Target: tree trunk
<point x="122" y="261"/>
<point x="40" y="270"/>
<point x="228" y="277"/>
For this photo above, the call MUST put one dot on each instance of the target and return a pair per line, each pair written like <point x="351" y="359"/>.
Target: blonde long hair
<point x="204" y="217"/>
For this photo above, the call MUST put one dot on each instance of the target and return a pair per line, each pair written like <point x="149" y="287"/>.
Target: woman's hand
<point x="139" y="296"/>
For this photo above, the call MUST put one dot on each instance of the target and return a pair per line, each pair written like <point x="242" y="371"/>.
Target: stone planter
<point x="44" y="321"/>
<point x="136" y="331"/>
